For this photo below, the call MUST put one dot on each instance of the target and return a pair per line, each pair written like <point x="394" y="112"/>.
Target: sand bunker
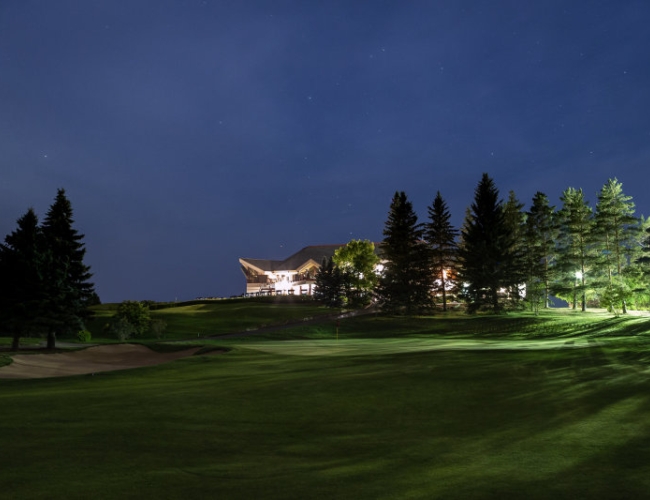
<point x="91" y="360"/>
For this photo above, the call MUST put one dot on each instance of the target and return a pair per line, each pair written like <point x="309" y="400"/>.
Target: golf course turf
<point x="437" y="417"/>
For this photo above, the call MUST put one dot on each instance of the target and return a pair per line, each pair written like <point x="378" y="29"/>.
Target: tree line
<point x="45" y="286"/>
<point x="502" y="257"/>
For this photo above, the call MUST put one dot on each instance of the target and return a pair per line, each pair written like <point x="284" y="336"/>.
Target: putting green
<point x="356" y="347"/>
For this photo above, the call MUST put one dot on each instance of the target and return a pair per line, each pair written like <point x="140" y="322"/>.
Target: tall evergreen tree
<point x="329" y="284"/>
<point x="485" y="253"/>
<point x="515" y="220"/>
<point x="69" y="290"/>
<point x="615" y="231"/>
<point x="441" y="236"/>
<point x="539" y="239"/>
<point x="407" y="280"/>
<point x="639" y="270"/>
<point x="22" y="260"/>
<point x="575" y="247"/>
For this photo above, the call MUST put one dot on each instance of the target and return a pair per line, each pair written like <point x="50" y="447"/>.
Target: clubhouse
<point x="295" y="275"/>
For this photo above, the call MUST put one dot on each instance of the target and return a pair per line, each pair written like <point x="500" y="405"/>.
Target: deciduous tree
<point x="357" y="262"/>
<point x="136" y="314"/>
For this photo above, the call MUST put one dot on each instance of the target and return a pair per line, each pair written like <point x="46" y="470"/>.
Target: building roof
<point x="314" y="253"/>
<point x="298" y="260"/>
<point x="262" y="264"/>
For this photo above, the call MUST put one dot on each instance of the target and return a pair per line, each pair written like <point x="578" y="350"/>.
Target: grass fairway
<point x="357" y="347"/>
<point x="198" y="318"/>
<point x="386" y="420"/>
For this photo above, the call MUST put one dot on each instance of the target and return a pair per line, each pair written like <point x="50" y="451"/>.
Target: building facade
<point x="295" y="275"/>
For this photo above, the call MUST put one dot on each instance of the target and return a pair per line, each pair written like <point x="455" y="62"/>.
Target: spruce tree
<point x="575" y="247"/>
<point x="69" y="290"/>
<point x="22" y="260"/>
<point x="407" y="280"/>
<point x="329" y="284"/>
<point x="638" y="272"/>
<point x="486" y="250"/>
<point x="615" y="231"/>
<point x="441" y="236"/>
<point x="515" y="220"/>
<point x="539" y="238"/>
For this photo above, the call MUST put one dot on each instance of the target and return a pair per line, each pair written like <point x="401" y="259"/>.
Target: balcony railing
<point x="261" y="279"/>
<point x="303" y="277"/>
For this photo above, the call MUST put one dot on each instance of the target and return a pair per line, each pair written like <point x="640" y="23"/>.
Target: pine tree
<point x="638" y="272"/>
<point x="485" y="254"/>
<point x="615" y="231"/>
<point x="575" y="247"/>
<point x="441" y="236"/>
<point x="329" y="285"/>
<point x="69" y="290"/>
<point x="539" y="239"/>
<point x="22" y="260"/>
<point x="407" y="279"/>
<point x="515" y="220"/>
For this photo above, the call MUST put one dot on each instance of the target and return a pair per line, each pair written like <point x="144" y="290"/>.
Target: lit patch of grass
<point x="548" y="325"/>
<point x="199" y="319"/>
<point x="379" y="424"/>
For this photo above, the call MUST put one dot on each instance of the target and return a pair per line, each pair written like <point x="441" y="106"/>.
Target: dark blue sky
<point x="190" y="133"/>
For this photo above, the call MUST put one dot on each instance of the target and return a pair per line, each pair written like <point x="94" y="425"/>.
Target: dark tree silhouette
<point x="540" y="235"/>
<point x="329" y="284"/>
<point x="69" y="290"/>
<point x="23" y="257"/>
<point x="441" y="236"/>
<point x="407" y="280"/>
<point x="485" y="254"/>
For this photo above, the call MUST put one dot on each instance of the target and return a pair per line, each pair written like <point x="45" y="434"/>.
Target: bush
<point x="84" y="336"/>
<point x="136" y="314"/>
<point x="122" y="328"/>
<point x="5" y="360"/>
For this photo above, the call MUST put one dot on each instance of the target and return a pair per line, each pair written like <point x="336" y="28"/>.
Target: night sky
<point x="190" y="133"/>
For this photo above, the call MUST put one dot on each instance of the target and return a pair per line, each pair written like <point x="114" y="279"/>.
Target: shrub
<point x="84" y="336"/>
<point x="5" y="360"/>
<point x="135" y="313"/>
<point x="122" y="328"/>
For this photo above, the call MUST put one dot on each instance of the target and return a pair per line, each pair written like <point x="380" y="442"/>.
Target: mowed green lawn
<point x="215" y="317"/>
<point x="388" y="419"/>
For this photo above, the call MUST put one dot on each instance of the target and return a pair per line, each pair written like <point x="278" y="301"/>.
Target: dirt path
<point x="91" y="360"/>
